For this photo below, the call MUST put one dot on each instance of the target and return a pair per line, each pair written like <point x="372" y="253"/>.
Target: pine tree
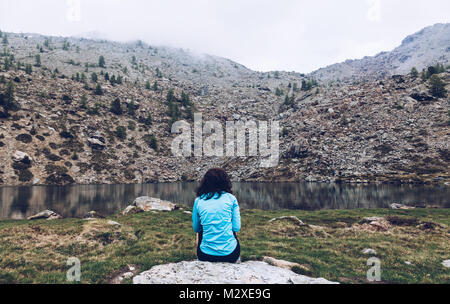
<point x="5" y="39"/>
<point x="148" y="120"/>
<point x="116" y="107"/>
<point x="94" y="77"/>
<point x="131" y="107"/>
<point x="170" y="96"/>
<point x="158" y="73"/>
<point x="101" y="61"/>
<point x="155" y="86"/>
<point x="185" y="99"/>
<point x="83" y="102"/>
<point x="437" y="87"/>
<point x="286" y="99"/>
<point x="37" y="59"/>
<point x="121" y="132"/>
<point x="414" y="73"/>
<point x="147" y="85"/>
<point x="98" y="90"/>
<point x="28" y="69"/>
<point x="7" y="99"/>
<point x="7" y="64"/>
<point x="153" y="143"/>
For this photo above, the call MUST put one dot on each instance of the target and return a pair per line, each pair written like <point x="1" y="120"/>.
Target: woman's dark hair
<point x="214" y="182"/>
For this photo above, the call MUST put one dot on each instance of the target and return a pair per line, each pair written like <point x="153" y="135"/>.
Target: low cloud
<point x="263" y="35"/>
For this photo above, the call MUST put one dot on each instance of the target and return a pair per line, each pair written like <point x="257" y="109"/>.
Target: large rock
<point x="195" y="272"/>
<point x="400" y="206"/>
<point x="22" y="157"/>
<point x="147" y="203"/>
<point x="93" y="215"/>
<point x="96" y="144"/>
<point x="286" y="264"/>
<point x="46" y="214"/>
<point x="131" y="210"/>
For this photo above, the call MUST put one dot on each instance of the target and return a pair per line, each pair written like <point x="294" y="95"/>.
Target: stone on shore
<point x="446" y="263"/>
<point x="196" y="272"/>
<point x="92" y="215"/>
<point x="396" y="206"/>
<point x="46" y="214"/>
<point x="290" y="218"/>
<point x="147" y="203"/>
<point x="131" y="210"/>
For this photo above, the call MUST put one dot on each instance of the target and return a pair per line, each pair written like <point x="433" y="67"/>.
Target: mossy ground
<point x="37" y="251"/>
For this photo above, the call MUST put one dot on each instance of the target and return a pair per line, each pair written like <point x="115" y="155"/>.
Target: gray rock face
<point x="20" y="156"/>
<point x="430" y="45"/>
<point x="147" y="203"/>
<point x="96" y="144"/>
<point x="131" y="210"/>
<point x="400" y="206"/>
<point x="369" y="251"/>
<point x="46" y="214"/>
<point x="195" y="272"/>
<point x="93" y="215"/>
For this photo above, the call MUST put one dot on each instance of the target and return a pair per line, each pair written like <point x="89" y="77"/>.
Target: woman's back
<point x="218" y="218"/>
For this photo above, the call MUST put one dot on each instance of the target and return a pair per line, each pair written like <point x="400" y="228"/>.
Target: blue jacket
<point x="218" y="217"/>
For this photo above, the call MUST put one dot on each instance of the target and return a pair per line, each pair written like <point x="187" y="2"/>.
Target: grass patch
<point x="329" y="246"/>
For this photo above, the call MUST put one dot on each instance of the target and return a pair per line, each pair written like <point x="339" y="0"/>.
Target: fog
<point x="263" y="35"/>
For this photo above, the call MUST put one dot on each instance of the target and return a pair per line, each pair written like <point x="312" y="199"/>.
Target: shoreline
<point x="443" y="182"/>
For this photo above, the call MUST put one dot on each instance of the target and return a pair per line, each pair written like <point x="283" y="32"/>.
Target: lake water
<point x="75" y="201"/>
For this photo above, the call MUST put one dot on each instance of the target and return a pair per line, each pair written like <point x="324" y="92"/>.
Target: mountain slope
<point x="422" y="49"/>
<point x="388" y="130"/>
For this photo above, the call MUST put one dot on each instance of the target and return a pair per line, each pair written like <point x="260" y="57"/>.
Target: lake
<point x="77" y="200"/>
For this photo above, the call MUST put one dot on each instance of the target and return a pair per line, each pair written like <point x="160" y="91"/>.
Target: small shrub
<point x="121" y="132"/>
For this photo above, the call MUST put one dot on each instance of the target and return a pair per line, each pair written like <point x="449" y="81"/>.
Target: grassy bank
<point x="37" y="251"/>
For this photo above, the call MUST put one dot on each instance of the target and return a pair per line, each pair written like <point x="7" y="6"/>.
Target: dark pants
<point x="231" y="258"/>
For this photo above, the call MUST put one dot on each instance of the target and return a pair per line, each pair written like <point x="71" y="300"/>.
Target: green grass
<point x="37" y="251"/>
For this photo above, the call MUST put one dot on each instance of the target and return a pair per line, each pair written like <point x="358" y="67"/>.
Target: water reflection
<point x="75" y="201"/>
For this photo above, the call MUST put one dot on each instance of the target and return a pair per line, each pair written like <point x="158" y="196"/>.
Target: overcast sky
<point x="291" y="35"/>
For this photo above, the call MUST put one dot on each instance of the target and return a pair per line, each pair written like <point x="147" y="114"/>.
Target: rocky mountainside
<point x="426" y="47"/>
<point x="93" y="111"/>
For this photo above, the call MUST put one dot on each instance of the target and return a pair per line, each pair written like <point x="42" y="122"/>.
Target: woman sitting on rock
<point x="216" y="219"/>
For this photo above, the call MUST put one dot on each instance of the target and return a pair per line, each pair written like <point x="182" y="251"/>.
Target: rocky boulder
<point x="46" y="214"/>
<point x="446" y="263"/>
<point x="93" y="215"/>
<point x="131" y="210"/>
<point x="96" y="144"/>
<point x="196" y="272"/>
<point x="400" y="206"/>
<point x="147" y="203"/>
<point x="21" y="157"/>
